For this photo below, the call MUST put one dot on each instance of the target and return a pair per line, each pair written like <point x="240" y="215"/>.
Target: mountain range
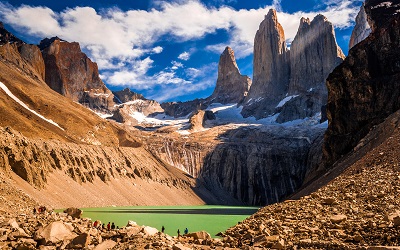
<point x="306" y="115"/>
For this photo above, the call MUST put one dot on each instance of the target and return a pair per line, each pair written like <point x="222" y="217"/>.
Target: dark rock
<point x="73" y="212"/>
<point x="365" y="88"/>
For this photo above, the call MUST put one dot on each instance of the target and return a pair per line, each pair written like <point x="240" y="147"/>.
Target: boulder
<point x="74" y="212"/>
<point x="202" y="235"/>
<point x="80" y="242"/>
<point x="54" y="232"/>
<point x="180" y="247"/>
<point x="336" y="219"/>
<point x="150" y="231"/>
<point x="106" y="245"/>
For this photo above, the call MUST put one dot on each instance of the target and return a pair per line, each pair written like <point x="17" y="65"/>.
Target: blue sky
<point x="166" y="50"/>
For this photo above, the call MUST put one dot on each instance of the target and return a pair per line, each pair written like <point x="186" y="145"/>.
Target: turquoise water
<point x="212" y="219"/>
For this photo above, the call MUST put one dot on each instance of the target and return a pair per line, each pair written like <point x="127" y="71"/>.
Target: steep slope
<point x="356" y="210"/>
<point x="364" y="89"/>
<point x="231" y="86"/>
<point x="361" y="29"/>
<point x="271" y="69"/>
<point x="71" y="73"/>
<point x="62" y="154"/>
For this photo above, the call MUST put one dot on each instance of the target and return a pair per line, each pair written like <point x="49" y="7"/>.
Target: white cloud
<point x="176" y="65"/>
<point x="184" y="56"/>
<point x="157" y="49"/>
<point x="119" y="40"/>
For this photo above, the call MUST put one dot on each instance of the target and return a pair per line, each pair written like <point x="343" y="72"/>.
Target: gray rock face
<point x="181" y="109"/>
<point x="271" y="68"/>
<point x="71" y="73"/>
<point x="231" y="86"/>
<point x="361" y="29"/>
<point x="314" y="53"/>
<point x="126" y="95"/>
<point x="260" y="167"/>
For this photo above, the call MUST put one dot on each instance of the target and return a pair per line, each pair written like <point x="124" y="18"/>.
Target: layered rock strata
<point x="71" y="73"/>
<point x="364" y="89"/>
<point x="361" y="29"/>
<point x="231" y="86"/>
<point x="271" y="68"/>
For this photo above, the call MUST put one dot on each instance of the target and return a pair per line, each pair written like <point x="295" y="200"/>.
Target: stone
<point x="74" y="212"/>
<point x="105" y="245"/>
<point x="202" y="235"/>
<point x="180" y="247"/>
<point x="338" y="218"/>
<point x="271" y="69"/>
<point x="361" y="28"/>
<point x="383" y="248"/>
<point x="231" y="86"/>
<point x="54" y="232"/>
<point x="81" y="241"/>
<point x="329" y="201"/>
<point x="13" y="224"/>
<point x="150" y="231"/>
<point x="279" y="245"/>
<point x="396" y="221"/>
<point x="198" y="120"/>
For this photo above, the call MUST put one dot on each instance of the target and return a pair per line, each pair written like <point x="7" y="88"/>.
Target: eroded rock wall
<point x="365" y="88"/>
<point x="260" y="166"/>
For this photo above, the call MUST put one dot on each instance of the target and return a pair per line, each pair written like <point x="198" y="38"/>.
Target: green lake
<point x="212" y="219"/>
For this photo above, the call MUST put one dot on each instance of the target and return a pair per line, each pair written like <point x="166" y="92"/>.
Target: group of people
<point x="110" y="226"/>
<point x="179" y="232"/>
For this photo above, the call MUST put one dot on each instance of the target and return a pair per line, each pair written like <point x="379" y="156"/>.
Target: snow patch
<point x="285" y="100"/>
<point x="8" y="92"/>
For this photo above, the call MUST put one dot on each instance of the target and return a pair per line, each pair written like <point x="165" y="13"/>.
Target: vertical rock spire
<point x="361" y="29"/>
<point x="231" y="86"/>
<point x="271" y="68"/>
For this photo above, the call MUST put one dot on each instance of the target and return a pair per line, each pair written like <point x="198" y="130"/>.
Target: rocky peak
<point x="31" y="53"/>
<point x="364" y="89"/>
<point x="314" y="53"/>
<point x="7" y="37"/>
<point x="71" y="73"/>
<point x="231" y="86"/>
<point x="361" y="29"/>
<point x="127" y="95"/>
<point x="271" y="68"/>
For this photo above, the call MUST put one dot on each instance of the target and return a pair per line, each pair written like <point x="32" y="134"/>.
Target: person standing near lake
<point x="162" y="229"/>
<point x="108" y="226"/>
<point x="179" y="233"/>
<point x="186" y="231"/>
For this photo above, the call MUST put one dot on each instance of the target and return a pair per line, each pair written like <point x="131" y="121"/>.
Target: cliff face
<point x="271" y="68"/>
<point x="364" y="89"/>
<point x="314" y="53"/>
<point x="231" y="86"/>
<point x="72" y="74"/>
<point x="32" y="54"/>
<point x="361" y="29"/>
<point x="260" y="166"/>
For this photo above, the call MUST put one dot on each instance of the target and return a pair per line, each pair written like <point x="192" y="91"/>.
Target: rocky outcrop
<point x="271" y="69"/>
<point x="314" y="53"/>
<point x="259" y="166"/>
<point x="126" y="95"/>
<point x="33" y="55"/>
<point x="231" y="86"/>
<point x="361" y="29"/>
<point x="198" y="120"/>
<point x="7" y="37"/>
<point x="364" y="89"/>
<point x="71" y="73"/>
<point x="182" y="109"/>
